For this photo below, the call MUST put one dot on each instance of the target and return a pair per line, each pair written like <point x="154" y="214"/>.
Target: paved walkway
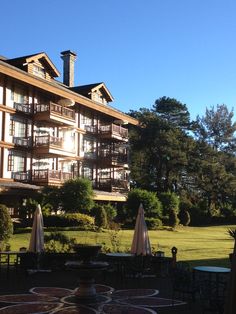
<point x="21" y="282"/>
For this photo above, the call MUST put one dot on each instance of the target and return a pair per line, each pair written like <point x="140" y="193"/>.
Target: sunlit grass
<point x="196" y="244"/>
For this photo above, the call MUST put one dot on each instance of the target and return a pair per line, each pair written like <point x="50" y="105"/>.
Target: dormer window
<point x="39" y="71"/>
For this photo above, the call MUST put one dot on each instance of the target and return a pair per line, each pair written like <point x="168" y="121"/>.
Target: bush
<point x="151" y="204"/>
<point x="57" y="242"/>
<point x="83" y="221"/>
<point x="173" y="218"/>
<point x="170" y="202"/>
<point x="100" y="217"/>
<point x="153" y="223"/>
<point x="6" y="225"/>
<point x="76" y="196"/>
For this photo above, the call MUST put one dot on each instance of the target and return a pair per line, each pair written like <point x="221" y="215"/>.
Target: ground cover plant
<point x="198" y="245"/>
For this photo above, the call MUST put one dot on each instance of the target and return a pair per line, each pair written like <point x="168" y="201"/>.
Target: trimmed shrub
<point x="170" y="202"/>
<point x="58" y="242"/>
<point x="173" y="218"/>
<point x="153" y="223"/>
<point x="76" y="196"/>
<point x="100" y="217"/>
<point x="151" y="204"/>
<point x="83" y="221"/>
<point x="6" y="226"/>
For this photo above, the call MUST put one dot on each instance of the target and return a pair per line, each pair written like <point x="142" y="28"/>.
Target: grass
<point x="197" y="245"/>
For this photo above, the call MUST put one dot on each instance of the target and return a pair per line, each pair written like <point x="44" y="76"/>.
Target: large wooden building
<point x="52" y="131"/>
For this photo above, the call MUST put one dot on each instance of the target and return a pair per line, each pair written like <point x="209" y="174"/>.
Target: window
<point x="16" y="163"/>
<point x="38" y="71"/>
<point x="18" y="95"/>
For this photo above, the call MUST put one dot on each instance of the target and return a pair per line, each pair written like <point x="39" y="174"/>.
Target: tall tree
<point x="173" y="111"/>
<point x="217" y="128"/>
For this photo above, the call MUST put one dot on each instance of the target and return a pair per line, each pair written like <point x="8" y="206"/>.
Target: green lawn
<point x="198" y="245"/>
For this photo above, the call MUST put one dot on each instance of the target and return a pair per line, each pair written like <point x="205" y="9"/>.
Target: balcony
<point x="114" y="158"/>
<point x="54" y="112"/>
<point x="21" y="176"/>
<point x="22" y="141"/>
<point x="24" y="108"/>
<point x="46" y="144"/>
<point x="113" y="131"/>
<point x="112" y="185"/>
<point x="51" y="177"/>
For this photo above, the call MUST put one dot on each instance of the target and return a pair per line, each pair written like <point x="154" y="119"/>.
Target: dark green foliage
<point x="28" y="208"/>
<point x="173" y="111"/>
<point x="76" y="196"/>
<point x="58" y="242"/>
<point x="50" y="198"/>
<point x="83" y="221"/>
<point x="173" y="218"/>
<point x="151" y="204"/>
<point x="170" y="202"/>
<point x="184" y="217"/>
<point x="110" y="211"/>
<point x="6" y="226"/>
<point x="153" y="223"/>
<point x="100" y="216"/>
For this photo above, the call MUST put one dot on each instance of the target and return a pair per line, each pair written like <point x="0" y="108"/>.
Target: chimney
<point x="68" y="58"/>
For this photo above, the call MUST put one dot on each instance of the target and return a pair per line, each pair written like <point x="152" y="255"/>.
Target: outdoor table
<point x="213" y="272"/>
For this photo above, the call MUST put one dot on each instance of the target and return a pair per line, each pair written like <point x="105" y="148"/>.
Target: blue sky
<point x="141" y="49"/>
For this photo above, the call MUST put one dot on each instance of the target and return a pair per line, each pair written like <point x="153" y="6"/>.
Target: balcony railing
<point x="21" y="176"/>
<point x="47" y="140"/>
<point x="46" y="175"/>
<point x="57" y="109"/>
<point x="22" y="141"/>
<point x="26" y="108"/>
<point x="112" y="185"/>
<point x="114" y="157"/>
<point x="113" y="129"/>
<point x="91" y="129"/>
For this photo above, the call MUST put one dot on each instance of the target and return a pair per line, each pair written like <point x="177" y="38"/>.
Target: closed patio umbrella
<point x="141" y="244"/>
<point x="36" y="244"/>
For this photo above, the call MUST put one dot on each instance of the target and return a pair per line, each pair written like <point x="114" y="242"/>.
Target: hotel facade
<point x="52" y="131"/>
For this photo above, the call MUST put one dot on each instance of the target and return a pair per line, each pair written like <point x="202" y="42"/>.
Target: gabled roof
<point x="85" y="90"/>
<point x="42" y="56"/>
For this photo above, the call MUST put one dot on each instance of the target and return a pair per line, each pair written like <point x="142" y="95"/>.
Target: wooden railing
<point x="47" y="140"/>
<point x="22" y="141"/>
<point x="111" y="185"/>
<point x="113" y="129"/>
<point x="55" y="108"/>
<point x="26" y="108"/>
<point x="47" y="175"/>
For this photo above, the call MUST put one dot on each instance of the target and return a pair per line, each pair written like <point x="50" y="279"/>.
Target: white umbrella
<point x="37" y="237"/>
<point x="141" y="244"/>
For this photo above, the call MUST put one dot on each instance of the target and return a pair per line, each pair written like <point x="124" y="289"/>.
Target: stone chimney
<point x="68" y="58"/>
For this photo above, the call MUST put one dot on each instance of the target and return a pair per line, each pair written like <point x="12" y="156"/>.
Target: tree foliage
<point x="151" y="204"/>
<point x="76" y="195"/>
<point x="6" y="226"/>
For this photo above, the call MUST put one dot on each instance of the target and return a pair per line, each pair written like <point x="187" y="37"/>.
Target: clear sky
<point x="141" y="49"/>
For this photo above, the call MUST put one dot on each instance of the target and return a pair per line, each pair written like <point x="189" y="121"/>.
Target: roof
<point x="20" y="61"/>
<point x="109" y="196"/>
<point x="18" y="185"/>
<point x="85" y="90"/>
<point x="63" y="91"/>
